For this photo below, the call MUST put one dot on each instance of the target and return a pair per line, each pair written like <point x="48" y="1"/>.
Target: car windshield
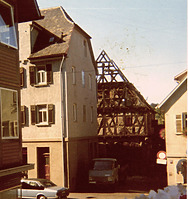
<point x="47" y="183"/>
<point x="102" y="165"/>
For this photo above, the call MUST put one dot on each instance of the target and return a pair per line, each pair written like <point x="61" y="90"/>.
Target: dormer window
<point x="7" y="27"/>
<point x="51" y="40"/>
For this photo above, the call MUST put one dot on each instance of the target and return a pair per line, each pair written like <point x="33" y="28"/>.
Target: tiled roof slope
<point x="58" y="22"/>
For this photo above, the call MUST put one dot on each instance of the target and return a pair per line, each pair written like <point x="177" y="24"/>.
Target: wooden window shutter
<point x="178" y="124"/>
<point x="23" y="115"/>
<point x="21" y="77"/>
<point x="32" y="73"/>
<point x="49" y="73"/>
<point x="33" y="115"/>
<point x="51" y="114"/>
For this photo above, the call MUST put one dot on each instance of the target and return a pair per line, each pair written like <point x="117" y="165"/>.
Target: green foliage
<point x="159" y="116"/>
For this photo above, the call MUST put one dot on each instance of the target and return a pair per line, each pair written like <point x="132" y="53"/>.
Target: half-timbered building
<point x="125" y="119"/>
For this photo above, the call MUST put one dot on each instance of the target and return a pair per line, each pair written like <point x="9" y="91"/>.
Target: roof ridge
<point x="67" y="16"/>
<point x="50" y="8"/>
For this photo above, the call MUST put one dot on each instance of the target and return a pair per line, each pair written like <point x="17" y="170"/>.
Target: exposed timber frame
<point x="122" y="110"/>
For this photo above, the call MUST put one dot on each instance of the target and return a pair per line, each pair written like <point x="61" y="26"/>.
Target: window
<point x="73" y="75"/>
<point x="90" y="81"/>
<point x="74" y="112"/>
<point x="91" y="114"/>
<point x="84" y="113"/>
<point x="85" y="48"/>
<point x="42" y="114"/>
<point x="40" y="75"/>
<point x="83" y="78"/>
<point x="9" y="113"/>
<point x="22" y="76"/>
<point x="23" y="115"/>
<point x="181" y="123"/>
<point x="7" y="28"/>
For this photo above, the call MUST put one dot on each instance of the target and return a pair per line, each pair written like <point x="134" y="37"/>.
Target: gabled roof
<point x="183" y="77"/>
<point x="28" y="10"/>
<point x="59" y="23"/>
<point x="180" y="77"/>
<point x="110" y="76"/>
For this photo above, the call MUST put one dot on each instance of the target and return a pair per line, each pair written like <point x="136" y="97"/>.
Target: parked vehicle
<point x="104" y="171"/>
<point x="41" y="189"/>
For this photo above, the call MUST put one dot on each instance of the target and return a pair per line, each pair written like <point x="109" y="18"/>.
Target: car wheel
<point x="41" y="197"/>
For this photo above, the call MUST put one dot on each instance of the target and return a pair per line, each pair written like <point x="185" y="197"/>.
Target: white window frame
<point x="13" y="131"/>
<point x="43" y="109"/>
<point x="9" y="30"/>
<point x="43" y="75"/>
<point x="83" y="78"/>
<point x="74" y="112"/>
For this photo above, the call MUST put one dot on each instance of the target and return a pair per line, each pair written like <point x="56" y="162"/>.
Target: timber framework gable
<point x="122" y="110"/>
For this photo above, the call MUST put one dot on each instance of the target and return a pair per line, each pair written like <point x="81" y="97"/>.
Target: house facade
<point x="175" y="110"/>
<point x="58" y="98"/>
<point x="11" y="165"/>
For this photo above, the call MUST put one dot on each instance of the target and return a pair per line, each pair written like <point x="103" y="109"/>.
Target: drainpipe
<point x="63" y="118"/>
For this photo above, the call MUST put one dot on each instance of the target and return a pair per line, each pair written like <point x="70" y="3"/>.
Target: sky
<point x="147" y="39"/>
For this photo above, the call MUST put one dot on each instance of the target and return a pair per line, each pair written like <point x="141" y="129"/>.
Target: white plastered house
<point x="174" y="107"/>
<point x="58" y="98"/>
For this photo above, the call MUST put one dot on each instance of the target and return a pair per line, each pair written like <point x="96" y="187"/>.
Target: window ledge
<point x="179" y="133"/>
<point x="41" y="85"/>
<point x="43" y="124"/>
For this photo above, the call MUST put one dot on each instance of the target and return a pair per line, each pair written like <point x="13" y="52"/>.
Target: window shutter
<point x="51" y="114"/>
<point x="49" y="73"/>
<point x="32" y="73"/>
<point x="21" y="77"/>
<point x="33" y="115"/>
<point x="23" y="115"/>
<point x="178" y="124"/>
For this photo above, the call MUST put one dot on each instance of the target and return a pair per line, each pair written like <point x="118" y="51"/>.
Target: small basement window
<point x="7" y="27"/>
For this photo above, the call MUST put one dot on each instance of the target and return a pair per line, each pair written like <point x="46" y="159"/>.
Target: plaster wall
<point x="56" y="169"/>
<point x="33" y="95"/>
<point x="78" y="93"/>
<point x="24" y="31"/>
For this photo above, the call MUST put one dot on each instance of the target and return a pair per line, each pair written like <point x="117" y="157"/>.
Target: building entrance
<point x="43" y="162"/>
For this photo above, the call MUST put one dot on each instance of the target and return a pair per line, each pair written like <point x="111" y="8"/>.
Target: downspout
<point x="63" y="120"/>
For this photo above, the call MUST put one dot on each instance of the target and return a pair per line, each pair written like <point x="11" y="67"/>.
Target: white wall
<point x="176" y="145"/>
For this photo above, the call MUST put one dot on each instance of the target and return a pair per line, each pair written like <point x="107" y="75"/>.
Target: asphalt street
<point x="134" y="186"/>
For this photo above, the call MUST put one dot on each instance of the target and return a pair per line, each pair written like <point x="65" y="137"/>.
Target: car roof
<point x="106" y="159"/>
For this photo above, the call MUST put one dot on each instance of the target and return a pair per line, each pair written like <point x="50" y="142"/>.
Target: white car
<point x="41" y="189"/>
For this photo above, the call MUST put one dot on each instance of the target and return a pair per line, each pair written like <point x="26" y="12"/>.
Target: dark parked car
<point x="104" y="171"/>
<point x="41" y="189"/>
